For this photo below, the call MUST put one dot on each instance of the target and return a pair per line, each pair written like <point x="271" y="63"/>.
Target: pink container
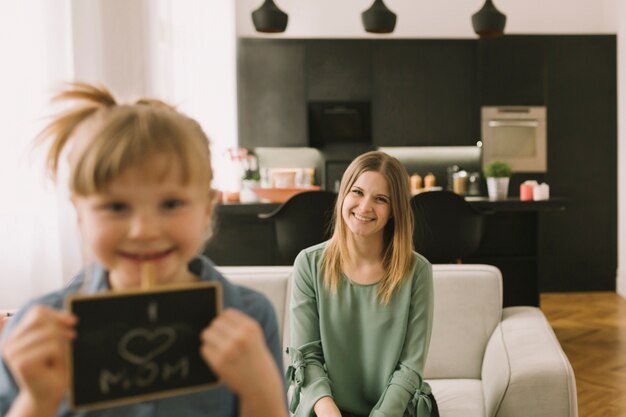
<point x="526" y="192"/>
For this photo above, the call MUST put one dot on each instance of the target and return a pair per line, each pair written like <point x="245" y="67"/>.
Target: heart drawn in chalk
<point x="140" y="346"/>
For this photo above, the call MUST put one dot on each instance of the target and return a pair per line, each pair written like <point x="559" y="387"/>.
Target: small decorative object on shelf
<point x="498" y="174"/>
<point x="541" y="192"/>
<point x="526" y="190"/>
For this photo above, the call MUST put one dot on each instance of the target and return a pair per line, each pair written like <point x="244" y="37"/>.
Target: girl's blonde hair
<point x="397" y="256"/>
<point x="122" y="136"/>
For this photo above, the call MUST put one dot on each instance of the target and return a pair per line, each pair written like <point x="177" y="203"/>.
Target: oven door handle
<point x="518" y="123"/>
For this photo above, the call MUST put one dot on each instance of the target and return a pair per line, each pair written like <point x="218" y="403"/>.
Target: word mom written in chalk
<point x="141" y="344"/>
<point x="146" y="370"/>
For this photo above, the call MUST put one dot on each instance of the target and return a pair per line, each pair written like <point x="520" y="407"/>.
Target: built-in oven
<point x="516" y="135"/>
<point x="334" y="123"/>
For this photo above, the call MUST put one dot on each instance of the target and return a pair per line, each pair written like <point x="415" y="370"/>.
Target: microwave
<point x="516" y="135"/>
<point x="339" y="123"/>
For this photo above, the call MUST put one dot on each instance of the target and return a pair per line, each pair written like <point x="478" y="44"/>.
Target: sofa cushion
<point x="468" y="306"/>
<point x="458" y="397"/>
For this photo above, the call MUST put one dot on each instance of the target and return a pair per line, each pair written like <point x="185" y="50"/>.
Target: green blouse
<point x="369" y="357"/>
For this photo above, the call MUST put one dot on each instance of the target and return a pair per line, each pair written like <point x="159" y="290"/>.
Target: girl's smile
<point x="153" y="256"/>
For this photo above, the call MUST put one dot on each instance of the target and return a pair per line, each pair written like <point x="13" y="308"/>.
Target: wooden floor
<point x="591" y="327"/>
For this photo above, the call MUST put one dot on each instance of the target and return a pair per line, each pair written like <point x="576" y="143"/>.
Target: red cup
<point x="526" y="192"/>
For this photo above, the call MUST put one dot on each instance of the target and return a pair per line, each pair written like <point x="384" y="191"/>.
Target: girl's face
<point x="143" y="217"/>
<point x="366" y="208"/>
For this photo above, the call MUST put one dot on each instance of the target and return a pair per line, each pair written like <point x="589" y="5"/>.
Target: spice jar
<point x="429" y="180"/>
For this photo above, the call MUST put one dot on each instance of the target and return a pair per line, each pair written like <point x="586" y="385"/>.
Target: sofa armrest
<point x="525" y="371"/>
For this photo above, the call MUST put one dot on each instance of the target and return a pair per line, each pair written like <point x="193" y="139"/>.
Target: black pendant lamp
<point x="269" y="18"/>
<point x="378" y="18"/>
<point x="488" y="22"/>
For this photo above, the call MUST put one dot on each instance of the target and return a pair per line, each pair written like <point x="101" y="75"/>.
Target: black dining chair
<point x="447" y="228"/>
<point x="302" y="221"/>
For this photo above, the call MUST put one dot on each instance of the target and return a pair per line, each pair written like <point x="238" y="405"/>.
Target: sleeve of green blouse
<point x="307" y="372"/>
<point x="406" y="388"/>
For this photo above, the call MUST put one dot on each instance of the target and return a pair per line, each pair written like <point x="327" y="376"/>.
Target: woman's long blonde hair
<point x="397" y="256"/>
<point x="122" y="136"/>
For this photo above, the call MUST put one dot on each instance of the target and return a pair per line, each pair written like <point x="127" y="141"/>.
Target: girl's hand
<point x="234" y="346"/>
<point x="4" y="318"/>
<point x="36" y="353"/>
<point x="326" y="407"/>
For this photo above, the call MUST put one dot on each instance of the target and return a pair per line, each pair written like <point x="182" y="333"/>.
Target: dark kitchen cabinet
<point x="581" y="242"/>
<point x="511" y="70"/>
<point x="338" y="70"/>
<point x="271" y="94"/>
<point x="424" y="93"/>
<point x="429" y="93"/>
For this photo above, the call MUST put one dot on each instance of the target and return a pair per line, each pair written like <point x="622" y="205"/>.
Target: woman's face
<point x="140" y="218"/>
<point x="366" y="208"/>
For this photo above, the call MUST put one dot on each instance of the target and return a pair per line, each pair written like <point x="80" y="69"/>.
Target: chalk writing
<point x="145" y="375"/>
<point x="153" y="312"/>
<point x="140" y="347"/>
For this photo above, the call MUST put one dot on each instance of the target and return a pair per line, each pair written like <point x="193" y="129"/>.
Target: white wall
<point x="36" y="55"/>
<point x="434" y="18"/>
<point x="112" y="45"/>
<point x="451" y="19"/>
<point x="180" y="51"/>
<point x="202" y="47"/>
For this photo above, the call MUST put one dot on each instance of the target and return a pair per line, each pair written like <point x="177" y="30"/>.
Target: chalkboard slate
<point x="140" y="344"/>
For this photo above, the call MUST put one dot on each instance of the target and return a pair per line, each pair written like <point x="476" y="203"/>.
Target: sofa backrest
<point x="468" y="307"/>
<point x="274" y="282"/>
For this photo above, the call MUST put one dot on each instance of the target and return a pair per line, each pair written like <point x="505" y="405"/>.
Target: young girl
<point x="140" y="177"/>
<point x="362" y="304"/>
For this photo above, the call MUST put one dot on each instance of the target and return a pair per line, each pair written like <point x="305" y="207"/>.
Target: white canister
<point x="541" y="192"/>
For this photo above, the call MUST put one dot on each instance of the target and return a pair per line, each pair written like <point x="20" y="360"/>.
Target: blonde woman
<point x="362" y="304"/>
<point x="140" y="180"/>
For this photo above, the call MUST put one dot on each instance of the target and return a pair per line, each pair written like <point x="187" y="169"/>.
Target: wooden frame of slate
<point x="140" y="344"/>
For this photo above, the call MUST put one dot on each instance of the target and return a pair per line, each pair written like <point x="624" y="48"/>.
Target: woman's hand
<point x="36" y="353"/>
<point x="326" y="407"/>
<point x="234" y="346"/>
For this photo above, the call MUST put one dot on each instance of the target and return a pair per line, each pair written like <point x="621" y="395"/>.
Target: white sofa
<point x="484" y="361"/>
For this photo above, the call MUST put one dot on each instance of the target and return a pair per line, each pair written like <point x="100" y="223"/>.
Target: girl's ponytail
<point x="61" y="128"/>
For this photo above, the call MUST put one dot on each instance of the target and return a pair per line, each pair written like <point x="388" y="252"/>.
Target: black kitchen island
<point x="510" y="241"/>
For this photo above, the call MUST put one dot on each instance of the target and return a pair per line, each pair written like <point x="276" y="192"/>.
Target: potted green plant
<point x="498" y="174"/>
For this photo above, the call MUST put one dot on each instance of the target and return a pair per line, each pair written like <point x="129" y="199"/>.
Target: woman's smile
<point x="366" y="207"/>
<point x="363" y="218"/>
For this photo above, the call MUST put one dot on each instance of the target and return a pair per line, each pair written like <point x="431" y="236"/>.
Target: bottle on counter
<point x="266" y="178"/>
<point x="459" y="180"/>
<point x="473" y="183"/>
<point x="451" y="170"/>
<point x="429" y="180"/>
<point x="416" y="183"/>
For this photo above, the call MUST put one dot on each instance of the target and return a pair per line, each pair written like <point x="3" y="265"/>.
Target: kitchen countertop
<point x="481" y="203"/>
<point x="515" y="204"/>
<point x="510" y="240"/>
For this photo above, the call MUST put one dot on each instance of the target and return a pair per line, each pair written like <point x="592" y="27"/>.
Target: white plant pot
<point x="497" y="188"/>
<point x="247" y="194"/>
